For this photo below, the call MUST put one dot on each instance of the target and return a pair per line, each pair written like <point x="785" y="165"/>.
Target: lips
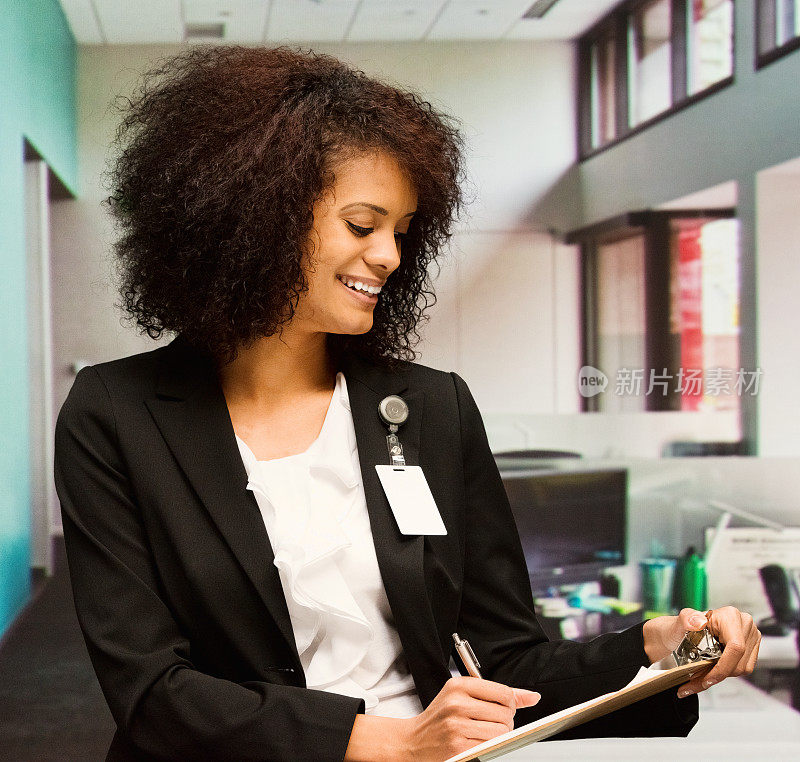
<point x="361" y="285"/>
<point x="364" y="297"/>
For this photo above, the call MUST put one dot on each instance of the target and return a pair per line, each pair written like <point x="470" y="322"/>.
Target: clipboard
<point x="639" y="688"/>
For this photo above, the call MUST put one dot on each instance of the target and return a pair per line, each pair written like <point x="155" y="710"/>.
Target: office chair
<point x="783" y="591"/>
<point x="784" y="600"/>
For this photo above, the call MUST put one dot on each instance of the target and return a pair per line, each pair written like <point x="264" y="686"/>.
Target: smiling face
<point x="357" y="241"/>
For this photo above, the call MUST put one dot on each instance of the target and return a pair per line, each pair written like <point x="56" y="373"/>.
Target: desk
<point x="737" y="722"/>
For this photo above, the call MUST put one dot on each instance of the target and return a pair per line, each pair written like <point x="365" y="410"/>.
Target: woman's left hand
<point x="734" y="629"/>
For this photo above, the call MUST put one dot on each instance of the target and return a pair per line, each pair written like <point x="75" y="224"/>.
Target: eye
<point x="358" y="230"/>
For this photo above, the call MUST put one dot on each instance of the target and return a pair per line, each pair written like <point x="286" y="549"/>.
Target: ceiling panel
<point x="83" y="22"/>
<point x="394" y="19"/>
<point x="303" y="21"/>
<point x="310" y="20"/>
<point x="244" y="20"/>
<point x="477" y="19"/>
<point x="140" y="21"/>
<point x="567" y="19"/>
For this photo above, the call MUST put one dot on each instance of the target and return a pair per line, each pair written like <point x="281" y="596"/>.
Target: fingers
<point x="691" y="619"/>
<point x="482" y="731"/>
<point x="690" y="688"/>
<point x="741" y="640"/>
<point x="525" y="698"/>
<point x="487" y="690"/>
<point x="487" y="711"/>
<point x="751" y="662"/>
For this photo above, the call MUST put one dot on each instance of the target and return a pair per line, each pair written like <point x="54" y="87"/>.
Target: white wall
<point x="507" y="319"/>
<point x="778" y="263"/>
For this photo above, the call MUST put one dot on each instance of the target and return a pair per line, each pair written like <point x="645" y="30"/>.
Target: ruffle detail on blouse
<point x="331" y="632"/>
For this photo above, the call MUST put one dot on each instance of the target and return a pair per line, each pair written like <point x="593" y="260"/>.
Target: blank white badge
<point x="411" y="500"/>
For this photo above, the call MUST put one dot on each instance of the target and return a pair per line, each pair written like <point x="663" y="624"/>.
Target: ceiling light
<point x="204" y="31"/>
<point x="538" y="9"/>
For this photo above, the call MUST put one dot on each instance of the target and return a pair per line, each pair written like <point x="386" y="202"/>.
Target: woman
<point x="240" y="577"/>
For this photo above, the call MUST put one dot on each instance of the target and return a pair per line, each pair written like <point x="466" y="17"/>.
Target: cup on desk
<point x="658" y="576"/>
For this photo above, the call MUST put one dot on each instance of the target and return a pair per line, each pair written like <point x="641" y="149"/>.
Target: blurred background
<point x="621" y="296"/>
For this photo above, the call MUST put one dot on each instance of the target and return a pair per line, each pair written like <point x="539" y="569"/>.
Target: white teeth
<point x="357" y="285"/>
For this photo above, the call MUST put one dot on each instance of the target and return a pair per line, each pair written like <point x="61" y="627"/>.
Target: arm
<point x="160" y="701"/>
<point x="498" y="619"/>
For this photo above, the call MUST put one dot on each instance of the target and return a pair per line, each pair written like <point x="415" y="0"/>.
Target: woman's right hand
<point x="466" y="712"/>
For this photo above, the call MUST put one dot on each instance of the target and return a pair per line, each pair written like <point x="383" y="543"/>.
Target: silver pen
<point x="464" y="650"/>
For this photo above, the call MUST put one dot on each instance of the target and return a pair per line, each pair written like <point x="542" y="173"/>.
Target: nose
<point x="384" y="252"/>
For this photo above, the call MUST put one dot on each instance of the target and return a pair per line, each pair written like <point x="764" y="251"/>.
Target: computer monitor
<point x="571" y="523"/>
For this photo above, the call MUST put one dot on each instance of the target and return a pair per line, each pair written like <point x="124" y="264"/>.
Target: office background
<point x="509" y="316"/>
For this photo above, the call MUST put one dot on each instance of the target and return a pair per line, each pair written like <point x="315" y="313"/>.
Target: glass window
<point x="709" y="43"/>
<point x="704" y="312"/>
<point x="787" y="21"/>
<point x="621" y="326"/>
<point x="778" y="26"/>
<point x="649" y="60"/>
<point x="603" y="90"/>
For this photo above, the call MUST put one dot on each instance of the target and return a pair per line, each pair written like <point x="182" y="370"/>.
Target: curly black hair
<point x="222" y="153"/>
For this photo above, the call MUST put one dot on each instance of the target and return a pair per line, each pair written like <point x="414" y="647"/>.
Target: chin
<point x="354" y="327"/>
<point x="357" y="331"/>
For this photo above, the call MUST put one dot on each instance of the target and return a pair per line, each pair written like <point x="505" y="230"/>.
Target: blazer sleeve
<point x="497" y="614"/>
<point x="162" y="704"/>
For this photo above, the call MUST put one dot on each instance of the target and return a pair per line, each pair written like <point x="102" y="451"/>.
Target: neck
<point x="287" y="364"/>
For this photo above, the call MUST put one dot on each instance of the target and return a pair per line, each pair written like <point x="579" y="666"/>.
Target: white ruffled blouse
<point x="315" y="513"/>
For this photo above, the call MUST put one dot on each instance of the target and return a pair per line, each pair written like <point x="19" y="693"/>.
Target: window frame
<point x="765" y="57"/>
<point x="619" y="20"/>
<point x="654" y="225"/>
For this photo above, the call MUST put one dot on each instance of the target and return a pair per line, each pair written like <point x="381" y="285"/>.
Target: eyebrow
<point x="378" y="209"/>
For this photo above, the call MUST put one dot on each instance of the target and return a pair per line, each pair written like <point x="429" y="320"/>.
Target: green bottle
<point x="692" y="578"/>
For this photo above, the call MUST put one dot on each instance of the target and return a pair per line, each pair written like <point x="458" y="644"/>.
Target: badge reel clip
<point x="394" y="412"/>
<point x="697" y="646"/>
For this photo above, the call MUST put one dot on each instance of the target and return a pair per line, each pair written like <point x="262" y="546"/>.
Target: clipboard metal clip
<point x="697" y="646"/>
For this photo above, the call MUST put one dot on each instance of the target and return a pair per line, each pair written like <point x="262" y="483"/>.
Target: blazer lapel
<point x="190" y="411"/>
<point x="400" y="557"/>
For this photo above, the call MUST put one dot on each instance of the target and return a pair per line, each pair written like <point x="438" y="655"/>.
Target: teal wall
<point x="37" y="101"/>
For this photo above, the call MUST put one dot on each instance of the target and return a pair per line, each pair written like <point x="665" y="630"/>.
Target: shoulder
<point x="448" y="382"/>
<point x="133" y="370"/>
<point x="99" y="389"/>
<point x="447" y="388"/>
<point x="403" y="376"/>
<point x="424" y="375"/>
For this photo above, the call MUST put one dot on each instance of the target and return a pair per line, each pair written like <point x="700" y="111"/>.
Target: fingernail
<point x="684" y="692"/>
<point x="697" y="619"/>
<point x="708" y="683"/>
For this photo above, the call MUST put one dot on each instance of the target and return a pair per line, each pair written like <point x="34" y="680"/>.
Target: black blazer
<point x="182" y="608"/>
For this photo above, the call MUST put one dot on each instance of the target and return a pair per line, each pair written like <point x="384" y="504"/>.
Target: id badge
<point x="411" y="500"/>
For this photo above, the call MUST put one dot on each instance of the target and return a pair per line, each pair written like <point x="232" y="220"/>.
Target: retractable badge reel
<point x="394" y="412"/>
<point x="405" y="486"/>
